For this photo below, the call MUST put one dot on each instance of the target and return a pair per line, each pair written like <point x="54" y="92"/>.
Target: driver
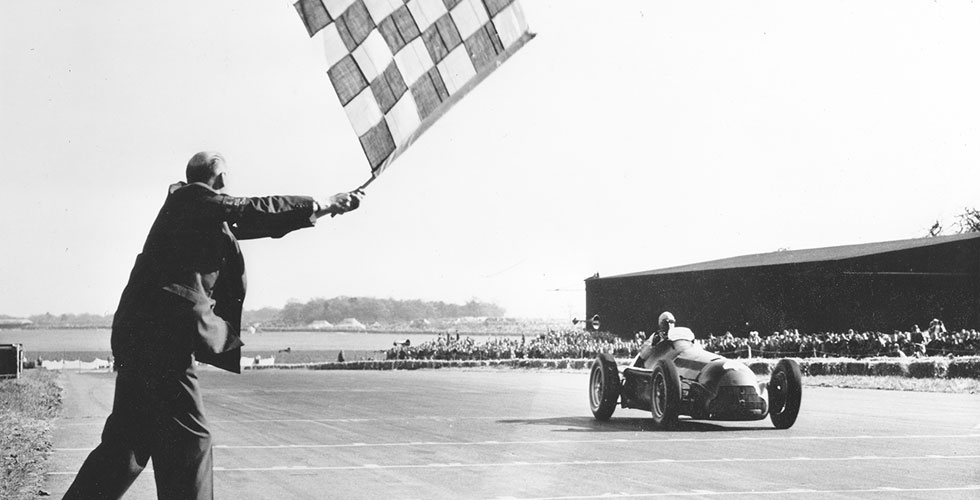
<point x="664" y="324"/>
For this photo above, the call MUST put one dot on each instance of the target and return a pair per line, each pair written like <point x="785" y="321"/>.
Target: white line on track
<point x="889" y="491"/>
<point x="434" y="418"/>
<point x="594" y="463"/>
<point x="571" y="441"/>
<point x="590" y="463"/>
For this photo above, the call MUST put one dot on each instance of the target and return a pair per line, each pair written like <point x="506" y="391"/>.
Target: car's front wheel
<point x="785" y="393"/>
<point x="604" y="387"/>
<point x="665" y="399"/>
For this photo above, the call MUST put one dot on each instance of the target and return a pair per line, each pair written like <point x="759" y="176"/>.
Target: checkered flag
<point x="398" y="65"/>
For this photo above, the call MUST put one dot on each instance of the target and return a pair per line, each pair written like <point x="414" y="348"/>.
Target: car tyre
<point x="604" y="386"/>
<point x="785" y="393"/>
<point x="665" y="398"/>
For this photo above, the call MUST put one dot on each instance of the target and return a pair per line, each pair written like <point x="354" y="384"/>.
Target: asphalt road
<point x="514" y="434"/>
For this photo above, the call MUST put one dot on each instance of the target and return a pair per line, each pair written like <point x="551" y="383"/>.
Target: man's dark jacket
<point x="186" y="289"/>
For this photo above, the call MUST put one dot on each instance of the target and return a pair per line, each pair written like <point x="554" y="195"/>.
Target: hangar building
<point x="875" y="286"/>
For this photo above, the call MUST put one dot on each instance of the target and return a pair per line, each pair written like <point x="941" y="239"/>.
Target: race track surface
<point x="514" y="434"/>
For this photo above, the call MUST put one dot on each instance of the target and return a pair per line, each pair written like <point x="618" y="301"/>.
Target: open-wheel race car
<point x="678" y="377"/>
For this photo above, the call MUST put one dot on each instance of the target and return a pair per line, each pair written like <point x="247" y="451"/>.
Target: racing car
<point x="679" y="377"/>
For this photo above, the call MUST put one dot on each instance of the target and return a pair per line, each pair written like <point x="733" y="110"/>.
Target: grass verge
<point x="891" y="383"/>
<point x="27" y="406"/>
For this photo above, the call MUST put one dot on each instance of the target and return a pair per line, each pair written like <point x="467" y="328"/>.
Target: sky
<point x="627" y="136"/>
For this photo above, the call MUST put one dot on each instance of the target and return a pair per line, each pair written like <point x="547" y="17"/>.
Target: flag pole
<point x="366" y="184"/>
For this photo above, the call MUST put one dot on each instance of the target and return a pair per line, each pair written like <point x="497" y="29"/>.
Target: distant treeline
<point x="367" y="310"/>
<point x="364" y="309"/>
<point x="48" y="320"/>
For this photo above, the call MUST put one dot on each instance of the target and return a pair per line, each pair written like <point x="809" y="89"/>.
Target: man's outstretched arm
<point x="276" y="216"/>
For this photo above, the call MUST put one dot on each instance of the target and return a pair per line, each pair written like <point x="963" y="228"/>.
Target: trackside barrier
<point x="75" y="364"/>
<point x="916" y="367"/>
<point x="434" y="364"/>
<point x="257" y="361"/>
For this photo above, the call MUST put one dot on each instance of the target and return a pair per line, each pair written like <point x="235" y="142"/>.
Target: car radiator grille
<point x="736" y="398"/>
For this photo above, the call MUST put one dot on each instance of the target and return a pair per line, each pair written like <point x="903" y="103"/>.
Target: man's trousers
<point x="156" y="413"/>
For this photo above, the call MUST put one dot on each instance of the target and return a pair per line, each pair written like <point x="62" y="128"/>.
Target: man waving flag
<point x="397" y="65"/>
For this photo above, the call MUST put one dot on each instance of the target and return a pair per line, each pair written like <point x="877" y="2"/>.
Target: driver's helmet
<point x="665" y="322"/>
<point x="680" y="333"/>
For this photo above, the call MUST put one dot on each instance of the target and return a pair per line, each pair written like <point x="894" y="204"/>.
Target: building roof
<point x="825" y="254"/>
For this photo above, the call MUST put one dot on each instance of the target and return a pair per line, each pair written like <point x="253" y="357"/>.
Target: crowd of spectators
<point x="552" y="345"/>
<point x="577" y="344"/>
<point x="934" y="341"/>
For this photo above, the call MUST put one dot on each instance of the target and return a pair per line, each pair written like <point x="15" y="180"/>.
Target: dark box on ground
<point x="11" y="360"/>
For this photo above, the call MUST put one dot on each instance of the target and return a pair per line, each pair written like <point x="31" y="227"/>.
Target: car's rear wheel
<point x="604" y="386"/>
<point x="665" y="399"/>
<point x="785" y="393"/>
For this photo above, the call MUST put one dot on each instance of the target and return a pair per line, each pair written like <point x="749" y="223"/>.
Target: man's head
<point x="665" y="322"/>
<point x="208" y="167"/>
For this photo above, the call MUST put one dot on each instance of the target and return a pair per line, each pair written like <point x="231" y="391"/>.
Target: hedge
<point x="929" y="368"/>
<point x="890" y="369"/>
<point x="964" y="368"/>
<point x="936" y="367"/>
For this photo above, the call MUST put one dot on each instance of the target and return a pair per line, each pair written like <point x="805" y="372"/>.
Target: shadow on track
<point x="589" y="424"/>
